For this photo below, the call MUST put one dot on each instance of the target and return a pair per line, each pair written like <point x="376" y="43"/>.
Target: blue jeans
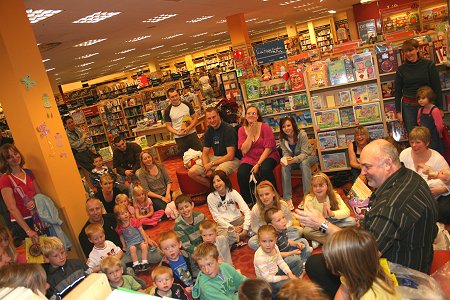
<point x="305" y="167"/>
<point x="409" y="115"/>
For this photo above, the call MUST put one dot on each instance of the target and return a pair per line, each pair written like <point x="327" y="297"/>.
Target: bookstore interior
<point x="332" y="71"/>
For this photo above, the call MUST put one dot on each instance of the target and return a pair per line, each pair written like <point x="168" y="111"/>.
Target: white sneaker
<point x="315" y="244"/>
<point x="289" y="203"/>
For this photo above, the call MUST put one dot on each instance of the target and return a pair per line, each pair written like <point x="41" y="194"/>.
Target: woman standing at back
<point x="413" y="74"/>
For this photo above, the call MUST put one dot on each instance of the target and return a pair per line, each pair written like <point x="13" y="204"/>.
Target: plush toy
<point x="266" y="74"/>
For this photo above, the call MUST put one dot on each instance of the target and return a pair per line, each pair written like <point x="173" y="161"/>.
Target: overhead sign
<point x="270" y="52"/>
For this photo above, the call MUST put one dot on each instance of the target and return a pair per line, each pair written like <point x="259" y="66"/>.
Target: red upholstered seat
<point x="234" y="181"/>
<point x="191" y="187"/>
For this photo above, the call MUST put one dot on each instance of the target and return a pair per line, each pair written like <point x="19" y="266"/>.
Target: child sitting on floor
<point x="216" y="280"/>
<point x="187" y="224"/>
<point x="113" y="269"/>
<point x="208" y="231"/>
<point x="180" y="262"/>
<point x="61" y="272"/>
<point x="269" y="265"/>
<point x="144" y="208"/>
<point x="294" y="252"/>
<point x="102" y="247"/>
<point x="165" y="287"/>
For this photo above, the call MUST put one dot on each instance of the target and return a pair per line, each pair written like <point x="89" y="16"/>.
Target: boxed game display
<point x="299" y="101"/>
<point x="327" y="140"/>
<point x="318" y="74"/>
<point x="252" y="86"/>
<point x="342" y="142"/>
<point x="296" y="78"/>
<point x="372" y="91"/>
<point x="337" y="73"/>
<point x="334" y="161"/>
<point x="345" y="98"/>
<point x="303" y="118"/>
<point x="390" y="111"/>
<point x="387" y="59"/>
<point x="317" y="102"/>
<point x="347" y="116"/>
<point x="367" y="113"/>
<point x="359" y="94"/>
<point x="376" y="131"/>
<point x="327" y="119"/>
<point x="363" y="66"/>
<point x="387" y="89"/>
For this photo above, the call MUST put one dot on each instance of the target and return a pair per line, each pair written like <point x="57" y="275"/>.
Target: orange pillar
<point x="49" y="156"/>
<point x="237" y="28"/>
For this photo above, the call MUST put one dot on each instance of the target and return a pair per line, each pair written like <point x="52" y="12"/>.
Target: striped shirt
<point x="189" y="233"/>
<point x="266" y="265"/>
<point x="402" y="218"/>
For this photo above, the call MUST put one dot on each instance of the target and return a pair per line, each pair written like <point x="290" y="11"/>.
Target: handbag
<point x="38" y="226"/>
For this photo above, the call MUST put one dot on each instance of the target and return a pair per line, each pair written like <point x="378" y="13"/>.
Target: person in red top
<point x="18" y="187"/>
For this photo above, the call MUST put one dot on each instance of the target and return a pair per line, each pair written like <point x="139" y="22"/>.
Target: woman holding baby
<point x="427" y="163"/>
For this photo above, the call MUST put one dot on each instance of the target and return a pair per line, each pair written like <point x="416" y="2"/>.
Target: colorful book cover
<point x="350" y="137"/>
<point x="387" y="61"/>
<point x="316" y="101"/>
<point x="282" y="105"/>
<point x="318" y="74"/>
<point x="299" y="101"/>
<point x="280" y="69"/>
<point x="336" y="71"/>
<point x="296" y="78"/>
<point x="345" y="98"/>
<point x="275" y="106"/>
<point x="387" y="89"/>
<point x="268" y="106"/>
<point x="376" y="131"/>
<point x="372" y="91"/>
<point x="327" y="140"/>
<point x="359" y="94"/>
<point x="252" y="86"/>
<point x="363" y="66"/>
<point x="342" y="142"/>
<point x="366" y="113"/>
<point x="334" y="161"/>
<point x="276" y="122"/>
<point x="347" y="116"/>
<point x="349" y="70"/>
<point x="390" y="111"/>
<point x="327" y="119"/>
<point x="303" y="118"/>
<point x="330" y="101"/>
<point x="261" y="105"/>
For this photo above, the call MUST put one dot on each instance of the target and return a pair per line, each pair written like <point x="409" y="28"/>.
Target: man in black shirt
<point x="126" y="157"/>
<point x="222" y="138"/>
<point x="402" y="215"/>
<point x="94" y="210"/>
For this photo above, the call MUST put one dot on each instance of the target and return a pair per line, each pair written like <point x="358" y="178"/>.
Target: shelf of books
<point x="95" y="127"/>
<point x="344" y="94"/>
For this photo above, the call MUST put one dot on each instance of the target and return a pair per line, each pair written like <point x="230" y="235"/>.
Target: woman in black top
<point x="362" y="138"/>
<point x="413" y="74"/>
<point x="108" y="193"/>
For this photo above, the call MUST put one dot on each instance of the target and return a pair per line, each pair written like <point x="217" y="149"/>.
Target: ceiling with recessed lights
<point x="85" y="39"/>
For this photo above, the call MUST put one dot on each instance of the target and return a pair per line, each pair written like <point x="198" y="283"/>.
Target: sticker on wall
<point x="28" y="82"/>
<point x="59" y="144"/>
<point x="47" y="105"/>
<point x="44" y="132"/>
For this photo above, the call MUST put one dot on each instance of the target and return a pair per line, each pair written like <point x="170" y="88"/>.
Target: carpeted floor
<point x="243" y="257"/>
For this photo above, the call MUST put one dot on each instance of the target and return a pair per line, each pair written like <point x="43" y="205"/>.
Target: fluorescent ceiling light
<point x="89" y="43"/>
<point x="45" y="60"/>
<point x="96" y="17"/>
<point x="111" y="65"/>
<point x="221" y="21"/>
<point x="126" y="51"/>
<point x="184" y="49"/>
<point x="156" y="47"/>
<point x="37" y="15"/>
<point x="159" y="18"/>
<point x="84" y="70"/>
<point x="85" y="64"/>
<point x="48" y="70"/>
<point x="144" y="55"/>
<point x="199" y="19"/>
<point x="199" y="42"/>
<point x="168" y="51"/>
<point x="332" y="11"/>
<point x="263" y="21"/>
<point x="303" y="5"/>
<point x="137" y="39"/>
<point x="250" y="20"/>
<point x="172" y="36"/>
<point x="218" y="33"/>
<point x="116" y="59"/>
<point x="210" y="42"/>
<point x="178" y="45"/>
<point x="87" y="55"/>
<point x="289" y="2"/>
<point x="199" y="34"/>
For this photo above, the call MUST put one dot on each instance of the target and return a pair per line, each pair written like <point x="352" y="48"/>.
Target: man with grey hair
<point x="94" y="210"/>
<point x="401" y="215"/>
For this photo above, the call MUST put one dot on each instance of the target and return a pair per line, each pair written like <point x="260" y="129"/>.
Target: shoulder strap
<point x="434" y="106"/>
<point x="17" y="188"/>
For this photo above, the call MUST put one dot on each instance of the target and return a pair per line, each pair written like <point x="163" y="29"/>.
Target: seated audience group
<point x="194" y="256"/>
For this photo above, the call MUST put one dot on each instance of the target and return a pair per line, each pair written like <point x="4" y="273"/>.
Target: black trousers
<point x="265" y="173"/>
<point x="318" y="272"/>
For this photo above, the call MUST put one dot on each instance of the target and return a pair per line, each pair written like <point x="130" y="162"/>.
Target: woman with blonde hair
<point x="108" y="193"/>
<point x="155" y="179"/>
<point x="362" y="138"/>
<point x="352" y="253"/>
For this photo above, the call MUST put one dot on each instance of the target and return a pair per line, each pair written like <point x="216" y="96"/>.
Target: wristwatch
<point x="213" y="163"/>
<point x="324" y="227"/>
